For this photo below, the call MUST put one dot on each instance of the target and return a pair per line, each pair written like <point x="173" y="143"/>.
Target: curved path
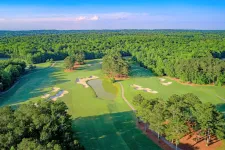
<point x="167" y="145"/>
<point x="124" y="98"/>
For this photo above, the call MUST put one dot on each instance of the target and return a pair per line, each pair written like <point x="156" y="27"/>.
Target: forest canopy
<point x="194" y="56"/>
<point x="41" y="126"/>
<point x="181" y="115"/>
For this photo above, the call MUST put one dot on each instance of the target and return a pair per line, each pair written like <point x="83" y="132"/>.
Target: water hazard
<point x="103" y="89"/>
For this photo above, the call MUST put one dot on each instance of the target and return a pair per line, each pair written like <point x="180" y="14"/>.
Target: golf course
<point x="101" y="118"/>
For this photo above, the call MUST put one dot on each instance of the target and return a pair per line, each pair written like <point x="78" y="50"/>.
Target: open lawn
<point x="100" y="124"/>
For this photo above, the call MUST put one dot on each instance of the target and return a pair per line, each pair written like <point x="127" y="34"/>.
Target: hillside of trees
<point x="10" y="71"/>
<point x="194" y="56"/>
<point x="179" y="116"/>
<point x="40" y="126"/>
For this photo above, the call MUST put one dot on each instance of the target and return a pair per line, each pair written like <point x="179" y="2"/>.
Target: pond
<point x="103" y="89"/>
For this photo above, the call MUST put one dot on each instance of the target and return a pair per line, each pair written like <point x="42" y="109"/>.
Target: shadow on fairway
<point x="32" y="86"/>
<point x="137" y="71"/>
<point x="221" y="107"/>
<point x="112" y="131"/>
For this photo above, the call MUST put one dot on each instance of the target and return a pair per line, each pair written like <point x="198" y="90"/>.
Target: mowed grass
<point x="100" y="124"/>
<point x="147" y="79"/>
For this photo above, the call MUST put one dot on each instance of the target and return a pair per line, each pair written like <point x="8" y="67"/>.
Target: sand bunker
<point x="162" y="80"/>
<point x="100" y="62"/>
<point x="167" y="83"/>
<point x="140" y="88"/>
<point x="55" y="89"/>
<point x="59" y="94"/>
<point x="45" y="96"/>
<point x="89" y="65"/>
<point x="83" y="81"/>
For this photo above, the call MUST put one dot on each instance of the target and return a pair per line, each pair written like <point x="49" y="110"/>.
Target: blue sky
<point x="116" y="14"/>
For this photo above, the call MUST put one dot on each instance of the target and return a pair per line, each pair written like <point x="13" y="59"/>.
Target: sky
<point x="112" y="14"/>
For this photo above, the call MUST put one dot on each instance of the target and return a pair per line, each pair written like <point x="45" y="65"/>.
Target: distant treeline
<point x="193" y="56"/>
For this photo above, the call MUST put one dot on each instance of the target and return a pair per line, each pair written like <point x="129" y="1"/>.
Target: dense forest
<point x="40" y="126"/>
<point x="179" y="116"/>
<point x="10" y="71"/>
<point x="194" y="56"/>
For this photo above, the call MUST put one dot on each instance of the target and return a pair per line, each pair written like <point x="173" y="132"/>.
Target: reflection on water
<point x="101" y="90"/>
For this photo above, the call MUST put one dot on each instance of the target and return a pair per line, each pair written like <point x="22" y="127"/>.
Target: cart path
<point x="124" y="98"/>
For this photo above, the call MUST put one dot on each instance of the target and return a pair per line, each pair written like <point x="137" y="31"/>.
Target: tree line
<point x="180" y="115"/>
<point x="10" y="71"/>
<point x="40" y="126"/>
<point x="193" y="56"/>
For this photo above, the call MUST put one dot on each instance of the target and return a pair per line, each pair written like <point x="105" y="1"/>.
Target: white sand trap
<point x="162" y="79"/>
<point x="140" y="88"/>
<point x="100" y="62"/>
<point x="55" y="89"/>
<point x="89" y="65"/>
<point x="167" y="83"/>
<point x="53" y="64"/>
<point x="59" y="94"/>
<point x="45" y="96"/>
<point x="83" y="81"/>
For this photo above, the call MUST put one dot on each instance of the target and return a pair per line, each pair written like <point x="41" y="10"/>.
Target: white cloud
<point x="94" y="18"/>
<point x="81" y="18"/>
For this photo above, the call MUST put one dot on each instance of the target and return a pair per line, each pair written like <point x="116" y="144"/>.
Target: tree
<point x="175" y="129"/>
<point x="114" y="65"/>
<point x="210" y="121"/>
<point x="69" y="62"/>
<point x="158" y="120"/>
<point x="44" y="125"/>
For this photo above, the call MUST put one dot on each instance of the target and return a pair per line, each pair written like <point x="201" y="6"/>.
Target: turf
<point x="103" y="124"/>
<point x="100" y="124"/>
<point x="147" y="79"/>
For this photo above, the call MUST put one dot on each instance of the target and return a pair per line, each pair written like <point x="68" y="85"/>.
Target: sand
<point x="55" y="89"/>
<point x="58" y="95"/>
<point x="162" y="80"/>
<point x="166" y="83"/>
<point x="83" y="81"/>
<point x="45" y="96"/>
<point x="140" y="88"/>
<point x="89" y="65"/>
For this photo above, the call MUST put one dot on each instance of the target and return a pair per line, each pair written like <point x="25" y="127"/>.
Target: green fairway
<point x="146" y="79"/>
<point x="100" y="124"/>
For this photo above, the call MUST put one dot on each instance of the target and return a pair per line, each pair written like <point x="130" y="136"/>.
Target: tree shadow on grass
<point x="221" y="107"/>
<point x="112" y="131"/>
<point x="138" y="71"/>
<point x="32" y="86"/>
